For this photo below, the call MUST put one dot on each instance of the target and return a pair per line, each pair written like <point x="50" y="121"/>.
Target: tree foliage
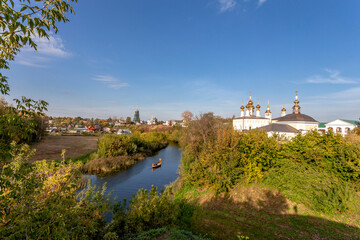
<point x="23" y="123"/>
<point x="147" y="210"/>
<point x="40" y="200"/>
<point x="321" y="171"/>
<point x="20" y="23"/>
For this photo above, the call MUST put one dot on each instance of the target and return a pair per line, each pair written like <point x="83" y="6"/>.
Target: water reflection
<point x="142" y="175"/>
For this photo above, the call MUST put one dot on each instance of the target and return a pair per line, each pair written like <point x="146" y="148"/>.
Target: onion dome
<point x="242" y="107"/>
<point x="258" y="106"/>
<point x="296" y="108"/>
<point x="268" y="108"/>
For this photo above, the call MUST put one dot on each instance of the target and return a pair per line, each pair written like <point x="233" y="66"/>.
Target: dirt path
<point x="51" y="147"/>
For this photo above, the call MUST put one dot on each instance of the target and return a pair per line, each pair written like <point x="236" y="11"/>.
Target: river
<point x="142" y="175"/>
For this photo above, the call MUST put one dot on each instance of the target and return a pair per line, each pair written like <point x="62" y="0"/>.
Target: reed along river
<point x="142" y="175"/>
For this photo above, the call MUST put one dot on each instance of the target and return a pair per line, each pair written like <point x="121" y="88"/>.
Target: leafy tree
<point x="187" y="117"/>
<point x="20" y="23"/>
<point x="128" y="120"/>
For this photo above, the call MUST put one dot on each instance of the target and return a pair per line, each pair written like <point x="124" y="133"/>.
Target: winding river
<point x="141" y="175"/>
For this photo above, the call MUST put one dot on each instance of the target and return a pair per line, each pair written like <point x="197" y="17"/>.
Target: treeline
<point x="118" y="152"/>
<point x="319" y="170"/>
<point x="22" y="124"/>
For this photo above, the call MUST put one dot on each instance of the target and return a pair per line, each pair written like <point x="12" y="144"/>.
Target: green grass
<point x="257" y="212"/>
<point x="82" y="158"/>
<point x="165" y="234"/>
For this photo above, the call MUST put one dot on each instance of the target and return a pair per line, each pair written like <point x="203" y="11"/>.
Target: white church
<point x="288" y="125"/>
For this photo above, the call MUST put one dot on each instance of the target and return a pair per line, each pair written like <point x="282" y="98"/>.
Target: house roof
<point x="295" y="118"/>
<point x="275" y="127"/>
<point x="351" y="121"/>
<point x="321" y="125"/>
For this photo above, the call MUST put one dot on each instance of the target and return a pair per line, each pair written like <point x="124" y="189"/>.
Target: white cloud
<point x="226" y="5"/>
<point x="52" y="47"/>
<point x="110" y="81"/>
<point x="351" y="93"/>
<point x="261" y="2"/>
<point x="47" y="49"/>
<point x="32" y="61"/>
<point x="118" y="85"/>
<point x="334" y="77"/>
<point x="104" y="78"/>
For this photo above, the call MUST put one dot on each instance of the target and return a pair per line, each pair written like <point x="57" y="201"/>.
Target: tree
<point x="128" y="120"/>
<point x="187" y="117"/>
<point x="20" y="24"/>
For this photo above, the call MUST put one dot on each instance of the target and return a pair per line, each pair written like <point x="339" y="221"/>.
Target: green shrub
<point x="112" y="145"/>
<point x="147" y="210"/>
<point x="331" y="152"/>
<point x="231" y="158"/>
<point x="41" y="200"/>
<point x="311" y="186"/>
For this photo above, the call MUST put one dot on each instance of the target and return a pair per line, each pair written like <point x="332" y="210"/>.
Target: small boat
<point x="158" y="164"/>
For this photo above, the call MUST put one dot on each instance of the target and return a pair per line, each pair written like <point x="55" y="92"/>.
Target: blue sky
<point x="200" y="55"/>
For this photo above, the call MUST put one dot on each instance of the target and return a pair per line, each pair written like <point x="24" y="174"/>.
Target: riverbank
<point x="110" y="165"/>
<point x="257" y="211"/>
<point x="119" y="152"/>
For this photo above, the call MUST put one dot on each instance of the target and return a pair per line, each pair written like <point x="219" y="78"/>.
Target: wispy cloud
<point x="118" y="85"/>
<point x="333" y="77"/>
<point x="47" y="49"/>
<point x="261" y="2"/>
<point x="351" y="93"/>
<point x="226" y="5"/>
<point x="110" y="81"/>
<point x="104" y="78"/>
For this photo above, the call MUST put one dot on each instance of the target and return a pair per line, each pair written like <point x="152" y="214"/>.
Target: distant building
<point x="282" y="130"/>
<point x="297" y="120"/>
<point x="174" y="123"/>
<point x="287" y="125"/>
<point x="341" y="126"/>
<point x="152" y="121"/>
<point x="249" y="119"/>
<point x="136" y="116"/>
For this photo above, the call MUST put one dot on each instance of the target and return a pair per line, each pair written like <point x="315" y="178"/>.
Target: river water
<point x="142" y="175"/>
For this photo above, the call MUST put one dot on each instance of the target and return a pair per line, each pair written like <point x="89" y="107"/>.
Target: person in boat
<point x="159" y="160"/>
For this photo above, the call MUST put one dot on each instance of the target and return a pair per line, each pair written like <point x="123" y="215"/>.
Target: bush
<point x="147" y="211"/>
<point x="231" y="158"/>
<point x="40" y="200"/>
<point x="330" y="152"/>
<point x="311" y="186"/>
<point x="112" y="145"/>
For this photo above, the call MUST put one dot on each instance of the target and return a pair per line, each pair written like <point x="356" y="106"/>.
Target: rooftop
<point x="295" y="118"/>
<point x="279" y="128"/>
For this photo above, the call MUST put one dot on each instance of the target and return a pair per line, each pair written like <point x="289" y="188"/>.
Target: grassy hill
<point x="256" y="211"/>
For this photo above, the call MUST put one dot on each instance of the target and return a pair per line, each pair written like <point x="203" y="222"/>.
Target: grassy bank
<point x="257" y="211"/>
<point x="104" y="166"/>
<point x="119" y="152"/>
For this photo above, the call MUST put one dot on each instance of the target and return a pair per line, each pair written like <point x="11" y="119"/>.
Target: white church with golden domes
<point x="288" y="125"/>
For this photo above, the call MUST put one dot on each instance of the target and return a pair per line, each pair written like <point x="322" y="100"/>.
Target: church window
<point x="338" y="130"/>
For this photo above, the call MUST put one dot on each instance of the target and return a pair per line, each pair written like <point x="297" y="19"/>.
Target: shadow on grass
<point x="265" y="218"/>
